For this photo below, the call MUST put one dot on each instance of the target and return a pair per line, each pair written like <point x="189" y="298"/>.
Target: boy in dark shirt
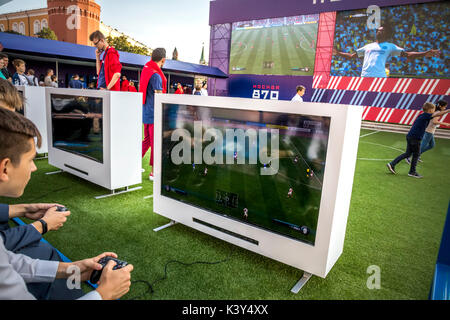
<point x="414" y="139"/>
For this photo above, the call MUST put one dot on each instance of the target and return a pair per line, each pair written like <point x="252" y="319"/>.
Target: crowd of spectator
<point x="274" y="22"/>
<point x="416" y="28"/>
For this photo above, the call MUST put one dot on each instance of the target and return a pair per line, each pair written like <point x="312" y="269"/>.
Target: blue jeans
<point x="427" y="142"/>
<point x="412" y="149"/>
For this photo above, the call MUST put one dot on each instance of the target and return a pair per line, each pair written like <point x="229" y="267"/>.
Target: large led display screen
<point x="403" y="41"/>
<point x="281" y="46"/>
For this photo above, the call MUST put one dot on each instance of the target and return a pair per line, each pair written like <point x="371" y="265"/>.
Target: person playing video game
<point x="377" y="53"/>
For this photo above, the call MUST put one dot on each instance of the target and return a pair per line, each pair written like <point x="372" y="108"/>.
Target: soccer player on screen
<point x="376" y="54"/>
<point x="289" y="195"/>
<point x="245" y="213"/>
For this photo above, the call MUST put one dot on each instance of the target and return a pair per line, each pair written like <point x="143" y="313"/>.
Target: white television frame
<point x="122" y="140"/>
<point x="317" y="259"/>
<point x="35" y="110"/>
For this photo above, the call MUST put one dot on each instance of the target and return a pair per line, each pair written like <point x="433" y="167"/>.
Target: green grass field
<point x="395" y="223"/>
<point x="283" y="50"/>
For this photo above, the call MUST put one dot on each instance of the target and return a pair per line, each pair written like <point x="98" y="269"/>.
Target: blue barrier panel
<point x="440" y="289"/>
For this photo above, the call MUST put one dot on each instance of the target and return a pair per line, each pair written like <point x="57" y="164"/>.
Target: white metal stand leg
<point x="171" y="223"/>
<point x="301" y="282"/>
<point x="54" y="172"/>
<point x="114" y="193"/>
<point x="44" y="156"/>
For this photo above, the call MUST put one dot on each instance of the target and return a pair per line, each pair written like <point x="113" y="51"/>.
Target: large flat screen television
<point x="274" y="177"/>
<point x="285" y="200"/>
<point x="279" y="46"/>
<point x="77" y="123"/>
<point x="96" y="135"/>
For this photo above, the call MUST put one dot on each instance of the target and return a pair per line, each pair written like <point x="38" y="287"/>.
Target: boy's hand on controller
<point x="114" y="284"/>
<point x="55" y="219"/>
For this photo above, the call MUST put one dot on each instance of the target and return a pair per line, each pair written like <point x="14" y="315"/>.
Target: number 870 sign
<point x="265" y="94"/>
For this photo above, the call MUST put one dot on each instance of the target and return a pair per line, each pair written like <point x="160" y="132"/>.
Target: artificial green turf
<point x="395" y="222"/>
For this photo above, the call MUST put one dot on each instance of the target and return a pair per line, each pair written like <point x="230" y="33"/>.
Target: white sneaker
<point x="150" y="177"/>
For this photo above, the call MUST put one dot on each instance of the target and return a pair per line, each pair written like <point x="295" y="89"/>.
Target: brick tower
<point x="73" y="20"/>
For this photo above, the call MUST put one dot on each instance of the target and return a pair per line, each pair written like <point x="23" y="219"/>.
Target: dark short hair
<point x="442" y="103"/>
<point x="300" y="88"/>
<point x="158" y="54"/>
<point x="96" y="35"/>
<point x="3" y="55"/>
<point x="15" y="133"/>
<point x="10" y="96"/>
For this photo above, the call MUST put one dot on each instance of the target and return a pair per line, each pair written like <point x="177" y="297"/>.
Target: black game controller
<point x="96" y="274"/>
<point x="61" y="209"/>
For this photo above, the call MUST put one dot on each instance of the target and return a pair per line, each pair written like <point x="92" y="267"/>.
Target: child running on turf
<point x="428" y="141"/>
<point x="414" y="138"/>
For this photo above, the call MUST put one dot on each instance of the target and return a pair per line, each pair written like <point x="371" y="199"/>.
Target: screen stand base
<point x="42" y="156"/>
<point x="171" y="223"/>
<point x="301" y="282"/>
<point x="54" y="172"/>
<point x="114" y="193"/>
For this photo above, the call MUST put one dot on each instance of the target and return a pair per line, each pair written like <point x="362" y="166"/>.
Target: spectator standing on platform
<point x="32" y="79"/>
<point x="19" y="78"/>
<point x="48" y="78"/>
<point x="109" y="67"/>
<point x="125" y="84"/>
<point x="179" y="89"/>
<point x="4" y="69"/>
<point x="299" y="95"/>
<point x="83" y="83"/>
<point x="197" y="90"/>
<point x="152" y="81"/>
<point x="2" y="76"/>
<point x="75" y="82"/>
<point x="54" y="81"/>
<point x="131" y="87"/>
<point x="205" y="88"/>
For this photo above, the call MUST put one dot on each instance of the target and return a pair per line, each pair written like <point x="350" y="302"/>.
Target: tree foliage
<point x="121" y="43"/>
<point x="47" y="33"/>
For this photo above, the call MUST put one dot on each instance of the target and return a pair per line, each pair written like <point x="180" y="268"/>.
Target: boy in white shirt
<point x="299" y="95"/>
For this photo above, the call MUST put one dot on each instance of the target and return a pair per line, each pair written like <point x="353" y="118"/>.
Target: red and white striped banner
<point x="394" y="85"/>
<point x="398" y="116"/>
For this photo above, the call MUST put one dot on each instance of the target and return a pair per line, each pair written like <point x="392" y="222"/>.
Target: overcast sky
<point x="169" y="24"/>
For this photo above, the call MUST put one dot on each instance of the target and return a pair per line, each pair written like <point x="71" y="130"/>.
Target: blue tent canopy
<point x="71" y="51"/>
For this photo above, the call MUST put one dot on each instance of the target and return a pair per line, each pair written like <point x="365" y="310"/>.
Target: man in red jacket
<point x="152" y="81"/>
<point x="108" y="68"/>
